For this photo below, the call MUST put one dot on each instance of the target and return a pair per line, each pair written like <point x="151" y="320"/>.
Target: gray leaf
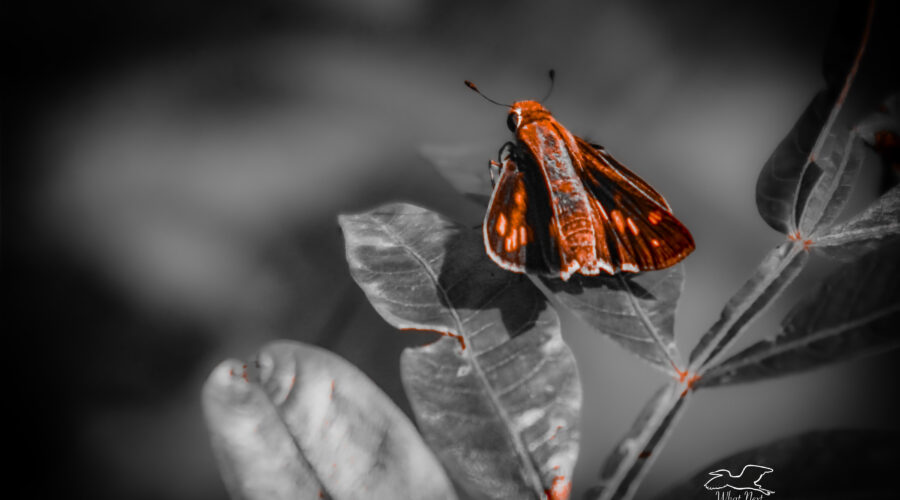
<point x="826" y="200"/>
<point x="877" y="225"/>
<point x="637" y="311"/>
<point x="527" y="410"/>
<point x="501" y="407"/>
<point x="854" y="313"/>
<point x="778" y="187"/>
<point x="302" y="422"/>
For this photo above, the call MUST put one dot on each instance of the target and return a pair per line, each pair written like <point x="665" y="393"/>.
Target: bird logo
<point x="748" y="479"/>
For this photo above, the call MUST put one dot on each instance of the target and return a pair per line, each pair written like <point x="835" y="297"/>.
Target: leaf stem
<point x="648" y="325"/>
<point x="642" y="449"/>
<point x="774" y="274"/>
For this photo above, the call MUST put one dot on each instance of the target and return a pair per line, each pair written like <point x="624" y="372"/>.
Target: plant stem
<point x="774" y="274"/>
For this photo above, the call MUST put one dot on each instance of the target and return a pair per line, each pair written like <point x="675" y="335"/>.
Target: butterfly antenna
<point x="552" y="75"/>
<point x="473" y="87"/>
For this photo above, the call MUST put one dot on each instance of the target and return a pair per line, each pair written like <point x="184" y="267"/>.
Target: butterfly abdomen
<point x="575" y="233"/>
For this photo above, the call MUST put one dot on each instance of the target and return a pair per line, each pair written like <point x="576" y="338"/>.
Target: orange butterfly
<point x="562" y="205"/>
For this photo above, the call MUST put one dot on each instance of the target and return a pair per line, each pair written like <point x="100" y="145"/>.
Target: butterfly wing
<point x="635" y="226"/>
<point x="506" y="231"/>
<point x="518" y="227"/>
<point x="609" y="166"/>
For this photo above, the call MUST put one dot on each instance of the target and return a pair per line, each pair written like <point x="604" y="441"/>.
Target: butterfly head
<point x="524" y="112"/>
<point x="521" y="113"/>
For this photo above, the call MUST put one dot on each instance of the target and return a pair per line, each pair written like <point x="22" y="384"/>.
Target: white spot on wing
<point x="632" y="226"/>
<point x="501" y="225"/>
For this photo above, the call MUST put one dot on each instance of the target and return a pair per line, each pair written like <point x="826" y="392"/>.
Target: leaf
<point x="821" y="465"/>
<point x="793" y="170"/>
<point x="854" y="313"/>
<point x="778" y="185"/>
<point x="777" y="270"/>
<point x="302" y="422"/>
<point x="532" y="379"/>
<point x="501" y="408"/>
<point x="877" y="225"/>
<point x="631" y="459"/>
<point x="826" y="200"/>
<point x="636" y="311"/>
<point x="465" y="167"/>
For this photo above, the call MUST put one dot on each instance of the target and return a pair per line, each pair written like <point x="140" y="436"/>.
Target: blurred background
<point x="172" y="172"/>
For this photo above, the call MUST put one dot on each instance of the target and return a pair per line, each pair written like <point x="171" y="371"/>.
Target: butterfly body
<point x="562" y="205"/>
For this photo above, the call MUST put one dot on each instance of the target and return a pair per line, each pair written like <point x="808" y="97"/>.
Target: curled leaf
<point x="500" y="407"/>
<point x="300" y="422"/>
<point x="255" y="451"/>
<point x="821" y="464"/>
<point x="778" y="188"/>
<point x="877" y="225"/>
<point x="636" y="311"/>
<point x="854" y="313"/>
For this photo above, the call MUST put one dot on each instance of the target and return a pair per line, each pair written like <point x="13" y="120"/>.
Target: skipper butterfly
<point x="561" y="205"/>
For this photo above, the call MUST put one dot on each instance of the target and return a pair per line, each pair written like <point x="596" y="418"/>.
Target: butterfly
<point x="561" y="205"/>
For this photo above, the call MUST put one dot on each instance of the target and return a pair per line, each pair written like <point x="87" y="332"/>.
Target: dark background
<point x="172" y="172"/>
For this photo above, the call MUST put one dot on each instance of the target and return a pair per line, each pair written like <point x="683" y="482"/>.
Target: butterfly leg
<point x="493" y="167"/>
<point x="506" y="150"/>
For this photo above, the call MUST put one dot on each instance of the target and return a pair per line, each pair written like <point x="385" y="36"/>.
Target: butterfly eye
<point x="512" y="121"/>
